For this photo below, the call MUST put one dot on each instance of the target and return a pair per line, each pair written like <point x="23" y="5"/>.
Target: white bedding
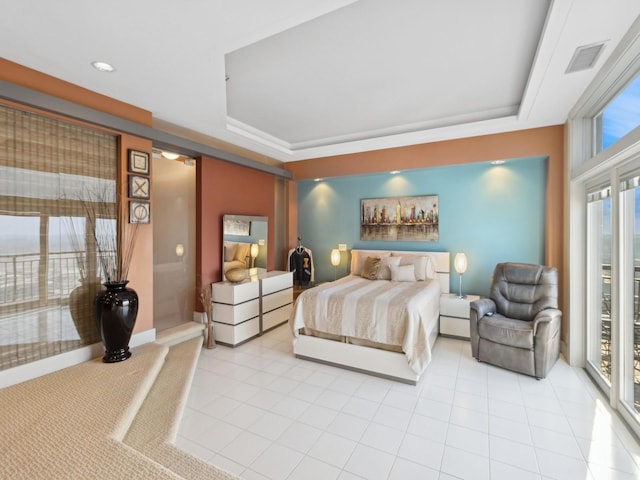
<point x="381" y="311"/>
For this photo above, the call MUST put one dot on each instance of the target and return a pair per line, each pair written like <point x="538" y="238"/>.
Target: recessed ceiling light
<point x="394" y="172"/>
<point x="497" y="162"/>
<point x="170" y="155"/>
<point x="317" y="179"/>
<point x="103" y="66"/>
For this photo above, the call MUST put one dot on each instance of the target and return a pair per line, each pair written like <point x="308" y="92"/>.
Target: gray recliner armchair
<point x="518" y="326"/>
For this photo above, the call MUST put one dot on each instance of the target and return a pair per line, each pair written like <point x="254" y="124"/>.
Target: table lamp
<point x="460" y="264"/>
<point x="335" y="261"/>
<point x="254" y="253"/>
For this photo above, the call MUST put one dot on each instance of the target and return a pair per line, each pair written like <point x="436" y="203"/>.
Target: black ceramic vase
<point x="116" y="310"/>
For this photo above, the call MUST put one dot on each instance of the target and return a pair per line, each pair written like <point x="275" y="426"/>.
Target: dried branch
<point x="114" y="256"/>
<point x="205" y="299"/>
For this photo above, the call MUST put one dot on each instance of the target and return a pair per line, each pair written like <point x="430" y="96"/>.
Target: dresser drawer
<point x="235" y="334"/>
<point x="276" y="281"/>
<point x="234" y="293"/>
<point x="452" y="306"/>
<point x="276" y="317"/>
<point x="277" y="300"/>
<point x="234" y="314"/>
<point x="455" y="327"/>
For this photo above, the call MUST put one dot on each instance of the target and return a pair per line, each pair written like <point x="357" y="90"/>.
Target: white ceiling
<point x="297" y="79"/>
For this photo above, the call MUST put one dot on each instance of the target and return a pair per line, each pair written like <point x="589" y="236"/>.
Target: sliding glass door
<point x="630" y="290"/>
<point x="613" y="288"/>
<point x="600" y="341"/>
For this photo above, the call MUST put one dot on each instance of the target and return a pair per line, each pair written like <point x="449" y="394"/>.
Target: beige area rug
<point x="156" y="425"/>
<point x="70" y="424"/>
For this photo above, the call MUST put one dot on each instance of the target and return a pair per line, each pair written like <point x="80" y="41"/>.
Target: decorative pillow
<point x="402" y="273"/>
<point x="229" y="252"/>
<point x="242" y="250"/>
<point x="384" y="273"/>
<point x="419" y="263"/>
<point x="431" y="268"/>
<point x="359" y="257"/>
<point x="371" y="268"/>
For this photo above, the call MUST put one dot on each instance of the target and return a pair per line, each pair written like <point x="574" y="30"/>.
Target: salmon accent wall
<point x="26" y="77"/>
<point x="141" y="270"/>
<point x="522" y="143"/>
<point x="545" y="141"/>
<point x="224" y="188"/>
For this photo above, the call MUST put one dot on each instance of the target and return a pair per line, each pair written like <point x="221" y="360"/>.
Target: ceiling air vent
<point x="585" y="57"/>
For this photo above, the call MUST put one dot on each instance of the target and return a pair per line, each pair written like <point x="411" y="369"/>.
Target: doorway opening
<point x="174" y="239"/>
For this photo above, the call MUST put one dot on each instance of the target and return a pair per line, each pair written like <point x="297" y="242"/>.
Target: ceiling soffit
<point x="344" y="77"/>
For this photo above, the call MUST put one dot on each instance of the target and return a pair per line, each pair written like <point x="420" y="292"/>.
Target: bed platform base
<point x="372" y="361"/>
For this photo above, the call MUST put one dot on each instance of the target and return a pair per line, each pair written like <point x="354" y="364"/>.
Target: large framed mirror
<point x="244" y="243"/>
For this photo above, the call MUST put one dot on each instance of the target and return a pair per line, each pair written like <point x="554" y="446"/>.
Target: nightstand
<point x="454" y="315"/>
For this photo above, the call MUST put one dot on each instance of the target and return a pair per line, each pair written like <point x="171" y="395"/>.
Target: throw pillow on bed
<point x="384" y="273"/>
<point x="359" y="257"/>
<point x="371" y="268"/>
<point x="402" y="273"/>
<point x="419" y="263"/>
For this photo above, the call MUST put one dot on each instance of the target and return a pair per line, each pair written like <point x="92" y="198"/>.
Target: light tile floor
<point x="261" y="413"/>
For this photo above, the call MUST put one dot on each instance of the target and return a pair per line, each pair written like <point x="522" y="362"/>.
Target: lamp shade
<point x="460" y="263"/>
<point x="254" y="250"/>
<point x="335" y="257"/>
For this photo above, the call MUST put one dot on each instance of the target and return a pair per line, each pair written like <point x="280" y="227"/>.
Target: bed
<point x="353" y="322"/>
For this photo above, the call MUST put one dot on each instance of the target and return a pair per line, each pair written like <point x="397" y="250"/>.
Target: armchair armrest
<point x="546" y="340"/>
<point x="478" y="309"/>
<point x="547" y="322"/>
<point x="482" y="306"/>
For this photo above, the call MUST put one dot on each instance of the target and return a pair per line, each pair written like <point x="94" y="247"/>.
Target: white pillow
<point x="431" y="268"/>
<point x="419" y="263"/>
<point x="402" y="273"/>
<point x="384" y="273"/>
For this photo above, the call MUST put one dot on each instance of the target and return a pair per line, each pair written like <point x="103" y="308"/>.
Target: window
<point x="48" y="265"/>
<point x="619" y="117"/>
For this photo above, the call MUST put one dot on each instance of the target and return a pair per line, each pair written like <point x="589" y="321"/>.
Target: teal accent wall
<point x="492" y="213"/>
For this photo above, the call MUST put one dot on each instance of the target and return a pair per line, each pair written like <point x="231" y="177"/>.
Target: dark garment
<point x="300" y="265"/>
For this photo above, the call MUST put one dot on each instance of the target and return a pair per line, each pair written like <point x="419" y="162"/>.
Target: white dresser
<point x="244" y="310"/>
<point x="454" y="314"/>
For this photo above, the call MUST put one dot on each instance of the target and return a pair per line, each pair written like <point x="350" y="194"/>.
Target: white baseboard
<point x="22" y="373"/>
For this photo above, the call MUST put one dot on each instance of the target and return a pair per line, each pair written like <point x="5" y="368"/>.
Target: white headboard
<point x="440" y="260"/>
